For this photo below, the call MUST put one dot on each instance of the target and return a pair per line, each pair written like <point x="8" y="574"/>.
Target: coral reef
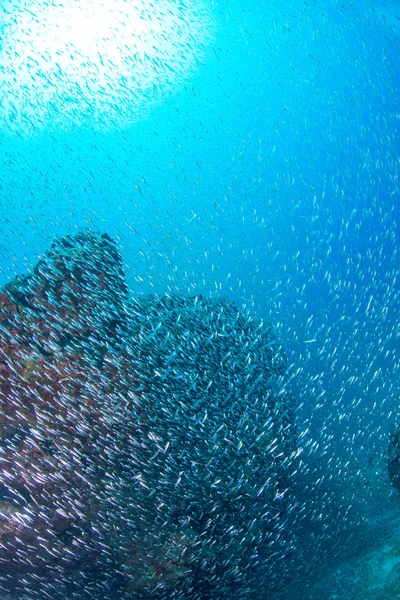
<point x="394" y="457"/>
<point x="146" y="444"/>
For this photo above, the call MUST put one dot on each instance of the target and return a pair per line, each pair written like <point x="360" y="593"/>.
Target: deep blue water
<point x="268" y="172"/>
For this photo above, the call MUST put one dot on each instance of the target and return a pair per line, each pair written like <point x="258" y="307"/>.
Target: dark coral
<point x="145" y="444"/>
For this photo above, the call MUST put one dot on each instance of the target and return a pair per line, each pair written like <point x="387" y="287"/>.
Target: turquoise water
<point x="240" y="149"/>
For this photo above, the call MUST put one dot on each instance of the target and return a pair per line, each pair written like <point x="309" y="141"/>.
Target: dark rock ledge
<point x="146" y="444"/>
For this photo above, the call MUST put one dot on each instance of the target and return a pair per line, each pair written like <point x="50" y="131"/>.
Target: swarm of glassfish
<point x="146" y="444"/>
<point x="394" y="455"/>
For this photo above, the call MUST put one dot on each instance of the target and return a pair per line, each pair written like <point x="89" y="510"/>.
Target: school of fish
<point x="147" y="444"/>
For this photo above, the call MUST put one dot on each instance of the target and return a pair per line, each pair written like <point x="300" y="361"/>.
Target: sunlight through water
<point x="95" y="64"/>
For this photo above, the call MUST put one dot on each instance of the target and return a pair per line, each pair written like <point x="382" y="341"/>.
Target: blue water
<point x="267" y="172"/>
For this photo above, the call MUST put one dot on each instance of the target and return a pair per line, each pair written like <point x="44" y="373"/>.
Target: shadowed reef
<point x="146" y="444"/>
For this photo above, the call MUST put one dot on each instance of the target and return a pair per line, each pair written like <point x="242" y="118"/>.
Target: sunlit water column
<point x="96" y="64"/>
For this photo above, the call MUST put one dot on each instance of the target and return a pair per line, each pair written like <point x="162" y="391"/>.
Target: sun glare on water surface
<point x="96" y="64"/>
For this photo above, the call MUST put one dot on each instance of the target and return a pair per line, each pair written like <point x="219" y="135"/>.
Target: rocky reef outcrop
<point x="146" y="444"/>
<point x="394" y="456"/>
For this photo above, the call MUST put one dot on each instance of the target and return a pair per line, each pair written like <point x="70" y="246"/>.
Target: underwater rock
<point x="146" y="444"/>
<point x="394" y="457"/>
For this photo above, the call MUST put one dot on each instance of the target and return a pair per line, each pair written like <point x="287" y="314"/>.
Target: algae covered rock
<point x="146" y="444"/>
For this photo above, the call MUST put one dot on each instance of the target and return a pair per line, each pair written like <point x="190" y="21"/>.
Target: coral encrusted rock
<point x="146" y="444"/>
